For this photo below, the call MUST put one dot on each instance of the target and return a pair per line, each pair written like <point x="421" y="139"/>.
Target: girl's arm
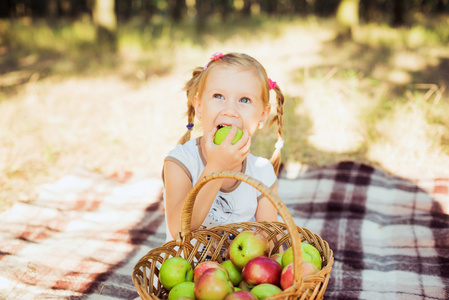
<point x="265" y="210"/>
<point x="177" y="186"/>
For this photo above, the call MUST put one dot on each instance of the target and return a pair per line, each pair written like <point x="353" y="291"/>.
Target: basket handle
<point x="187" y="210"/>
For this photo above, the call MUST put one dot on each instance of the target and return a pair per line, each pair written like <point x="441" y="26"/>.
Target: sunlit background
<point x="98" y="84"/>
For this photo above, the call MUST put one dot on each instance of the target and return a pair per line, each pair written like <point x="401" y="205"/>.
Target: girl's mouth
<point x="224" y="125"/>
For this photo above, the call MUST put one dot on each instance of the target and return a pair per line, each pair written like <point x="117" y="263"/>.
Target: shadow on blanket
<point x="83" y="235"/>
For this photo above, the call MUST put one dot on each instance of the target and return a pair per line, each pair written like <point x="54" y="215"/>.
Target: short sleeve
<point x="184" y="156"/>
<point x="261" y="169"/>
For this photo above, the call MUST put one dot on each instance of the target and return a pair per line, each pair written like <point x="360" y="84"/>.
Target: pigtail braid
<point x="276" y="157"/>
<point x="191" y="89"/>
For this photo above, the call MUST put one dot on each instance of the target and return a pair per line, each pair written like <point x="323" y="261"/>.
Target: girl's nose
<point x="230" y="109"/>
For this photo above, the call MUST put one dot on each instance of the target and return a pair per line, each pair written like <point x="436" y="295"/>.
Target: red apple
<point x="262" y="269"/>
<point x="287" y="276"/>
<point x="308" y="268"/>
<point x="213" y="284"/>
<point x="205" y="265"/>
<point x="248" y="245"/>
<point x="241" y="295"/>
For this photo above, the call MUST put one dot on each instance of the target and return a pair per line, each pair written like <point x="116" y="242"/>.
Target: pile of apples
<point x="249" y="274"/>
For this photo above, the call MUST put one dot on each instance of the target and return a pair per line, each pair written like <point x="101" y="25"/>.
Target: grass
<point x="379" y="99"/>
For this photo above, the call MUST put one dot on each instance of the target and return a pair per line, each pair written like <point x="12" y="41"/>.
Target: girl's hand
<point x="227" y="157"/>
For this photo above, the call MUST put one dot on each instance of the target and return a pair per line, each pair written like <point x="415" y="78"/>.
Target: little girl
<point x="231" y="90"/>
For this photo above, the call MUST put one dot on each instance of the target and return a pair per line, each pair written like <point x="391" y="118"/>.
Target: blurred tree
<point x="202" y="10"/>
<point x="325" y="8"/>
<point x="268" y="6"/>
<point x="442" y="6"/>
<point x="149" y="9"/>
<point x="123" y="9"/>
<point x="177" y="9"/>
<point x="368" y="10"/>
<point x="6" y="8"/>
<point x="300" y="7"/>
<point x="226" y="7"/>
<point x="348" y="17"/>
<point x="106" y="24"/>
<point x="246" y="9"/>
<point x="52" y="10"/>
<point x="398" y="13"/>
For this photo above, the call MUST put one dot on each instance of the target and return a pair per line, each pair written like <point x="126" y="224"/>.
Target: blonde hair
<point x="196" y="84"/>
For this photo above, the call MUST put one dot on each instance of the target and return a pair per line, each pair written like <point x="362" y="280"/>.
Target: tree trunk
<point x="201" y="15"/>
<point x="106" y="24"/>
<point x="398" y="13"/>
<point x="5" y="8"/>
<point x="52" y="10"/>
<point x="246" y="10"/>
<point x="226" y="8"/>
<point x="177" y="9"/>
<point x="348" y="17"/>
<point x="149" y="9"/>
<point x="300" y="7"/>
<point x="368" y="10"/>
<point x="269" y="6"/>
<point x="325" y="8"/>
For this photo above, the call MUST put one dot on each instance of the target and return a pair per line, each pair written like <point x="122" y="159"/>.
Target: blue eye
<point x="218" y="96"/>
<point x="245" y="100"/>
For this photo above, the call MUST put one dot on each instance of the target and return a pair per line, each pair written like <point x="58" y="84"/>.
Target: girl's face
<point x="232" y="96"/>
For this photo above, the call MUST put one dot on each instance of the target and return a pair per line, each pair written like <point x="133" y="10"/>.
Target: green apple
<point x="244" y="286"/>
<point x="182" y="289"/>
<point x="309" y="253"/>
<point x="221" y="134"/>
<point x="175" y="270"/>
<point x="287" y="257"/>
<point x="277" y="257"/>
<point x="234" y="273"/>
<point x="265" y="290"/>
<point x="246" y="246"/>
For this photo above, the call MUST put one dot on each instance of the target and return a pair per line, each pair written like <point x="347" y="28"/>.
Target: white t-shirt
<point x="237" y="204"/>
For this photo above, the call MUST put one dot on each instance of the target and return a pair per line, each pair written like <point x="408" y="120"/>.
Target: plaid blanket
<point x="83" y="235"/>
<point x="390" y="236"/>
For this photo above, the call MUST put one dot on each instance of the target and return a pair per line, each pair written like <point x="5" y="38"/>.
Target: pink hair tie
<point x="272" y="84"/>
<point x="216" y="56"/>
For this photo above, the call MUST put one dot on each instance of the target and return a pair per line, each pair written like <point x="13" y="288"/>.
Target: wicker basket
<point x="211" y="242"/>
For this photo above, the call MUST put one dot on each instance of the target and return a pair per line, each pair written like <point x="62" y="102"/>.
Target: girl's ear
<point x="264" y="117"/>
<point x="197" y="105"/>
